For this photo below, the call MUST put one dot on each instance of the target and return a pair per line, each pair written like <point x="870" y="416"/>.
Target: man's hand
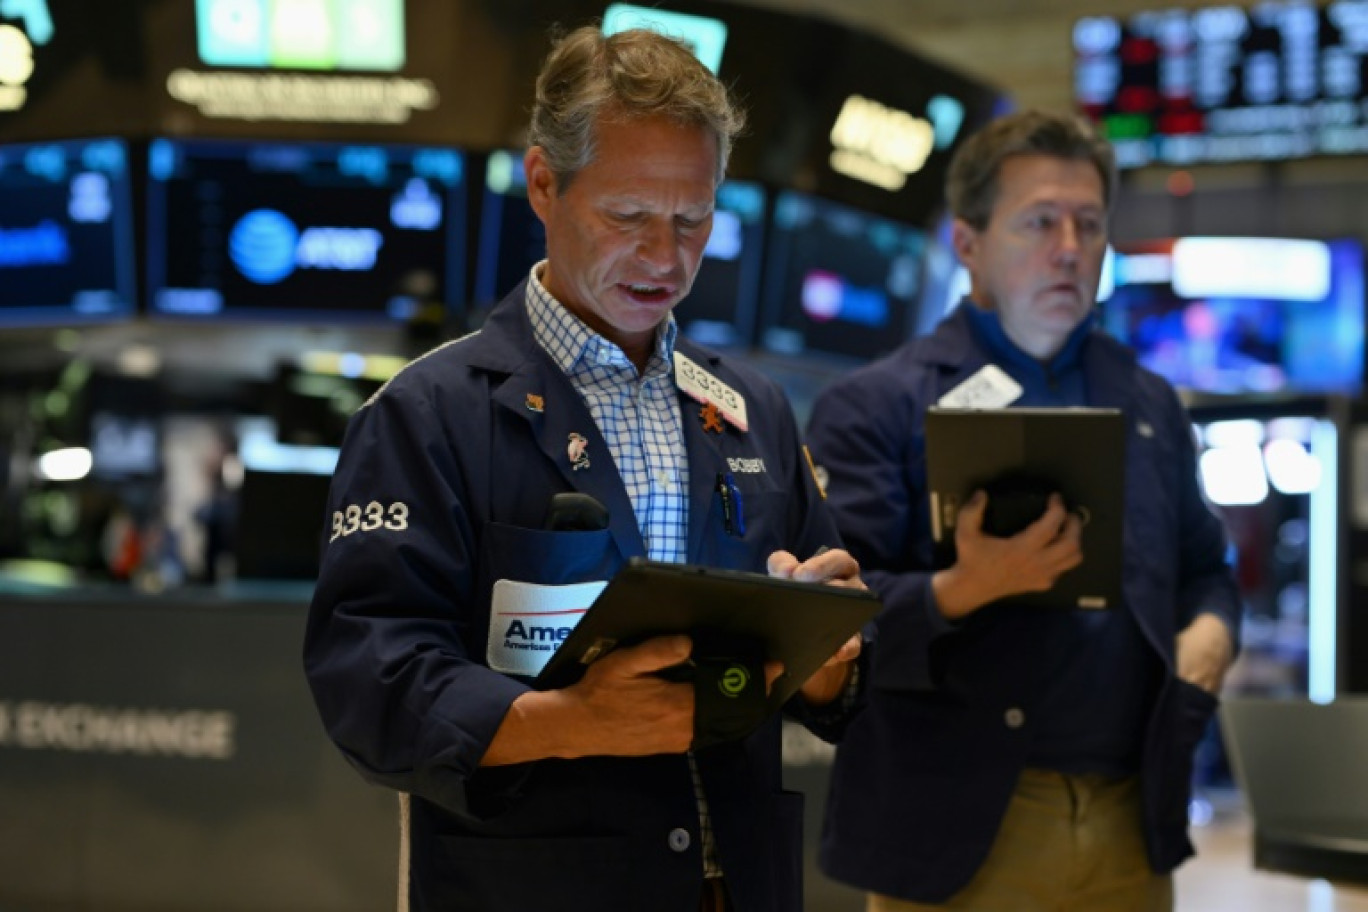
<point x="988" y="567"/>
<point x="1205" y="652"/>
<point x="827" y="682"/>
<point x="620" y="708"/>
<point x="835" y="568"/>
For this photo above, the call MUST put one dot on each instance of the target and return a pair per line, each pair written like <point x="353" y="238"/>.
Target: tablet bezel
<point x="801" y="624"/>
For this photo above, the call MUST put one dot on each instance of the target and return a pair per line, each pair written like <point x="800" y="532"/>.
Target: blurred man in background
<point x="1015" y="758"/>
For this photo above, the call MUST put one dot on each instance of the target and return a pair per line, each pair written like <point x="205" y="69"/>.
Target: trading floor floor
<point x="1221" y="878"/>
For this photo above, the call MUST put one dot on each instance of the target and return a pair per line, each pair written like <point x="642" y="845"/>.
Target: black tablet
<point x="1019" y="456"/>
<point x="725" y="611"/>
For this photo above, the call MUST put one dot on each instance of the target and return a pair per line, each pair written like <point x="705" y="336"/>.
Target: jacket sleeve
<point x="1206" y="582"/>
<point x="386" y="646"/>
<point x="866" y="434"/>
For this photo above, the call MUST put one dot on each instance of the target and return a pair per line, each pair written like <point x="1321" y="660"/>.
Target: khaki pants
<point x="1067" y="844"/>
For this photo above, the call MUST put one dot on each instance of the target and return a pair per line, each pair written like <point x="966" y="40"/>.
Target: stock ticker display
<point x="1281" y="80"/>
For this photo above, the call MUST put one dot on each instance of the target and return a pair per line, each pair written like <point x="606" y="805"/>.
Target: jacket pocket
<point x="530" y="585"/>
<point x="1193" y="708"/>
<point x="542" y="556"/>
<point x="754" y="532"/>
<point x="522" y="874"/>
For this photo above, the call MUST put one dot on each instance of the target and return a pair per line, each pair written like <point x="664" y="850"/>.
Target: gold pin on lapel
<point x="535" y="403"/>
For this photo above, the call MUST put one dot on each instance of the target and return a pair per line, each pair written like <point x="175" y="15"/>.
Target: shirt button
<point x="680" y="839"/>
<point x="1014" y="718"/>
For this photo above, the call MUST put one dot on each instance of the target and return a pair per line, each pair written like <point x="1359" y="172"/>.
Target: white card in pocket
<point x="529" y="621"/>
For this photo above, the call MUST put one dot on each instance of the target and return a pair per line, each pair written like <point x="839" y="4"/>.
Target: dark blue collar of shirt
<point x="988" y="331"/>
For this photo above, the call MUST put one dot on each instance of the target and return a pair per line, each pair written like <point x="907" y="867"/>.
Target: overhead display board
<point x="1281" y="80"/>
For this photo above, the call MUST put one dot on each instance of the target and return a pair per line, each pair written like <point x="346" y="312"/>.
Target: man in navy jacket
<point x="1015" y="758"/>
<point x="441" y="560"/>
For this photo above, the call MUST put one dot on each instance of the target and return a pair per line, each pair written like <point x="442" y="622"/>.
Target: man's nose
<point x="1067" y="250"/>
<point x="656" y="244"/>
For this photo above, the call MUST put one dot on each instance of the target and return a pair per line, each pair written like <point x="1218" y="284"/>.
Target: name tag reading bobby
<point x="703" y="386"/>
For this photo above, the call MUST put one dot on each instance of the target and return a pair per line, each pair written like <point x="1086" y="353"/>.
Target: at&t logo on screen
<point x="267" y="247"/>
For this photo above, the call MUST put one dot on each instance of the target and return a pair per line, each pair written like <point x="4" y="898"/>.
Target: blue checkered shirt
<point x="639" y="417"/>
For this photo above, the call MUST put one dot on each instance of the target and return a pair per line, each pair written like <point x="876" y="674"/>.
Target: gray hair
<point x="630" y="74"/>
<point x="972" y="184"/>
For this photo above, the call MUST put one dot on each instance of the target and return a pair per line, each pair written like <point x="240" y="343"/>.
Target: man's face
<point x="1039" y="259"/>
<point x="625" y="239"/>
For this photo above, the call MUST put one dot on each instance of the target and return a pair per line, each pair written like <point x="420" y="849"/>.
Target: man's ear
<point x="541" y="182"/>
<point x="964" y="237"/>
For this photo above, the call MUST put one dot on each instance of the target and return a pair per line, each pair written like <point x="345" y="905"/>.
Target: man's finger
<point x="651" y="656"/>
<point x="773" y="671"/>
<point x="781" y="564"/>
<point x="833" y="564"/>
<point x="971" y="514"/>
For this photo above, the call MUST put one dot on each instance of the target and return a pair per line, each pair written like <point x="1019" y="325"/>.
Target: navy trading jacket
<point x="923" y="775"/>
<point x="441" y="490"/>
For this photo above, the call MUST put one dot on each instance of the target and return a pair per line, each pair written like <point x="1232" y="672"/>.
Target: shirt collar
<point x="574" y="346"/>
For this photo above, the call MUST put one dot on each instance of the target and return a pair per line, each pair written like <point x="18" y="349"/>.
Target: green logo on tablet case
<point x="733" y="681"/>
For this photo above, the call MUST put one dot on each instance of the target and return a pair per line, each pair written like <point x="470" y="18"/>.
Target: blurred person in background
<point x="1015" y="759"/>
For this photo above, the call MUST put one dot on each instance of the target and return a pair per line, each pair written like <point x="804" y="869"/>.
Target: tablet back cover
<point x="1080" y="452"/>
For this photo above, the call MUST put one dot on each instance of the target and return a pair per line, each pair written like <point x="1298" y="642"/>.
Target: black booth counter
<point x="162" y="752"/>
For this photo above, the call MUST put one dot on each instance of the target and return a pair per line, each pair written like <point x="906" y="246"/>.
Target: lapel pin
<point x="712" y="417"/>
<point x="579" y="459"/>
<point x="535" y="403"/>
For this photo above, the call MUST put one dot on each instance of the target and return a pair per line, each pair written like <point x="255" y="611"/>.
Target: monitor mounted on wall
<point x="66" y="232"/>
<point x="721" y="307"/>
<point x="511" y="237"/>
<point x="305" y="232"/>
<point x="839" y="281"/>
<point x="1236" y="315"/>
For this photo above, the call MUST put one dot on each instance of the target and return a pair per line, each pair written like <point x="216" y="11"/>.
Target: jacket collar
<point x="537" y="391"/>
<point x="951" y="344"/>
<point x="506" y="345"/>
